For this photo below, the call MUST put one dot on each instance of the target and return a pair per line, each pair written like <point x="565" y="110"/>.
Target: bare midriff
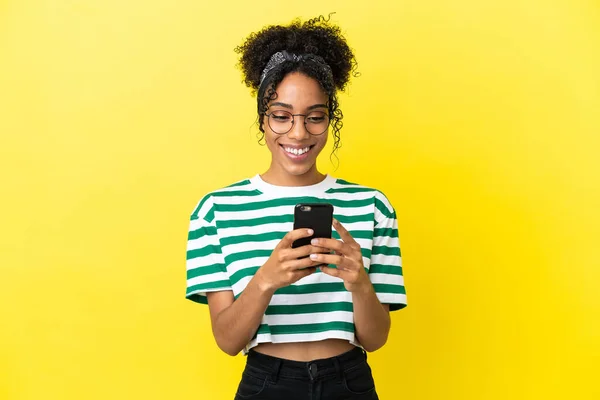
<point x="305" y="351"/>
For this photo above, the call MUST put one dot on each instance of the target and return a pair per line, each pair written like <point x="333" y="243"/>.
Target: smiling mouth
<point x="296" y="151"/>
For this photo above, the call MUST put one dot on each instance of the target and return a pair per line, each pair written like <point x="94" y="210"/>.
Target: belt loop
<point x="276" y="369"/>
<point x="338" y="370"/>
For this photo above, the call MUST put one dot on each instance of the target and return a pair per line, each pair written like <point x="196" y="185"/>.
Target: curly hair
<point x="316" y="36"/>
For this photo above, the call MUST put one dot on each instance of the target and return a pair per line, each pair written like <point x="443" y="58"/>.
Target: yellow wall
<point x="479" y="119"/>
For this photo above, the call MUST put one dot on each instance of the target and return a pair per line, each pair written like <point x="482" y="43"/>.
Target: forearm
<point x="371" y="318"/>
<point x="236" y="325"/>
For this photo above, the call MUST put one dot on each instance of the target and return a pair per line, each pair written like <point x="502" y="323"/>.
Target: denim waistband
<point x="312" y="370"/>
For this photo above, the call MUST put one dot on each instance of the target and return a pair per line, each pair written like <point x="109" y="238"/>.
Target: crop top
<point x="233" y="231"/>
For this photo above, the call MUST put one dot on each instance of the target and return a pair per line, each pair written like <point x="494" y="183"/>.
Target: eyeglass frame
<point x="268" y="115"/>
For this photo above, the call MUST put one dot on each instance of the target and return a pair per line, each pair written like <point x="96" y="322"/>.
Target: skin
<point x="235" y="322"/>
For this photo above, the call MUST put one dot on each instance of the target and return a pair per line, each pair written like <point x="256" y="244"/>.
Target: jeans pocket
<point x="251" y="385"/>
<point x="359" y="379"/>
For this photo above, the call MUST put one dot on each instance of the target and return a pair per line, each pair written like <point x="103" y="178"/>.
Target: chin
<point x="298" y="170"/>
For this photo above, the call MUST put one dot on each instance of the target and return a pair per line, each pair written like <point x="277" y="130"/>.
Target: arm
<point x="385" y="276"/>
<point x="234" y="322"/>
<point x="371" y="318"/>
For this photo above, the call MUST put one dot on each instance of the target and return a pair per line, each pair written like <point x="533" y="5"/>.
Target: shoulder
<point x="344" y="186"/>
<point x="205" y="206"/>
<point x="381" y="202"/>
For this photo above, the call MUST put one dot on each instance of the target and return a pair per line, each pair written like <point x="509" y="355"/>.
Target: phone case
<point x="316" y="216"/>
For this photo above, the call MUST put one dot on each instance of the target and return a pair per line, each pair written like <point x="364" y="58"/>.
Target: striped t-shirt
<point x="234" y="230"/>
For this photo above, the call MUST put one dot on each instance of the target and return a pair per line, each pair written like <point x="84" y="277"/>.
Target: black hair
<point x="315" y="36"/>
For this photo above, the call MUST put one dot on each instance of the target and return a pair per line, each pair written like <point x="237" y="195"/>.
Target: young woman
<point x="305" y="317"/>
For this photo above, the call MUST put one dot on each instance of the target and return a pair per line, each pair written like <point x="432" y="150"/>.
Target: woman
<point x="305" y="317"/>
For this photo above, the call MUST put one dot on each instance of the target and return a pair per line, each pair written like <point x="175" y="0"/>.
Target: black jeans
<point x="345" y="377"/>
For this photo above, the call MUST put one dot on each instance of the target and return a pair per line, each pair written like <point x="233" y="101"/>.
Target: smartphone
<point x="316" y="216"/>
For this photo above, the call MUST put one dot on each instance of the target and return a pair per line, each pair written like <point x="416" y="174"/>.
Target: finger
<point x="294" y="235"/>
<point x="331" y="244"/>
<point x="304" y="251"/>
<point x="335" y="259"/>
<point x="349" y="249"/>
<point x="338" y="273"/>
<point x="344" y="234"/>
<point x="299" y="264"/>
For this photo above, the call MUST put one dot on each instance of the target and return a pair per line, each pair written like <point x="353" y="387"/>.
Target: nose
<point x="298" y="130"/>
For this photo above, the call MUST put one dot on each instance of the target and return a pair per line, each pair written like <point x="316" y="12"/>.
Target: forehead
<point x="300" y="91"/>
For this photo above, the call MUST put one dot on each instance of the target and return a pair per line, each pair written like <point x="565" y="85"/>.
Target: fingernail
<point x="314" y="256"/>
<point x="335" y="221"/>
<point x="309" y="231"/>
<point x="314" y="241"/>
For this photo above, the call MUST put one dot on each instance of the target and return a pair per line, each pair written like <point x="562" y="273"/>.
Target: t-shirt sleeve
<point x="205" y="265"/>
<point x="386" y="261"/>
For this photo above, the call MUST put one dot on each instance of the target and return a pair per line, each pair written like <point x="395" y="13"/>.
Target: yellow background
<point x="478" y="119"/>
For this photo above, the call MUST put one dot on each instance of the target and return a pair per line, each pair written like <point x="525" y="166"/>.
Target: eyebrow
<point x="289" y="106"/>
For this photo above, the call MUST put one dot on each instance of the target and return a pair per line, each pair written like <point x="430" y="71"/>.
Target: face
<point x="294" y="154"/>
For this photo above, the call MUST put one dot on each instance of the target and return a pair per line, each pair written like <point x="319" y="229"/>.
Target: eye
<point x="281" y="116"/>
<point x="316" y="117"/>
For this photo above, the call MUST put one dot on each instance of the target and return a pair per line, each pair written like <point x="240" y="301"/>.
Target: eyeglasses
<point x="281" y="121"/>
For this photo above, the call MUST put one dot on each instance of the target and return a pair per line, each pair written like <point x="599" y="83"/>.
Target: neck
<point x="279" y="177"/>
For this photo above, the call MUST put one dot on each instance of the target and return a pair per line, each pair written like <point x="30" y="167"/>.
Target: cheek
<point x="323" y="139"/>
<point x="271" y="139"/>
<point x="269" y="136"/>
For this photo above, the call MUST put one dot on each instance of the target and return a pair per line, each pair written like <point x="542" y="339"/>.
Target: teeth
<point x="297" y="151"/>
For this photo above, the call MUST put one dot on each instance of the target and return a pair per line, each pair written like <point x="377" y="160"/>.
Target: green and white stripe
<point x="234" y="230"/>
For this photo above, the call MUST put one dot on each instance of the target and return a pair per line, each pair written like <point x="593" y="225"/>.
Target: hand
<point x="347" y="259"/>
<point x="284" y="266"/>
